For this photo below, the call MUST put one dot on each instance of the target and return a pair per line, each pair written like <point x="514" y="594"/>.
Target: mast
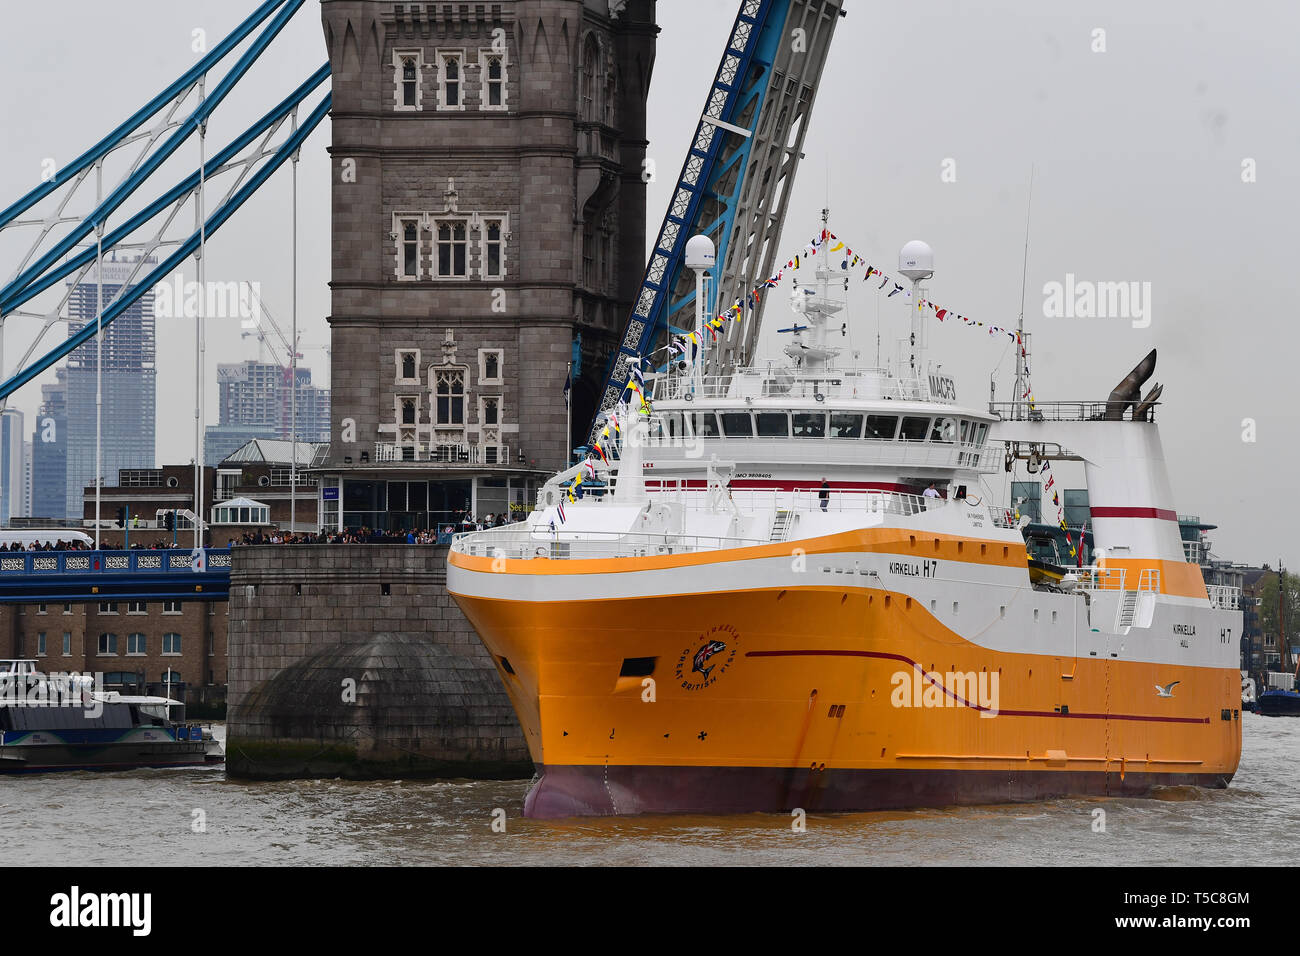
<point x="1281" y="617"/>
<point x="1022" y="378"/>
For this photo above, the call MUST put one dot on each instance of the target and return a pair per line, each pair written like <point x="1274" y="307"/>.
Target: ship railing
<point x="580" y="545"/>
<point x="884" y="451"/>
<point x="1063" y="411"/>
<point x="1224" y="596"/>
<point x="1102" y="579"/>
<point x="780" y="381"/>
<point x="870" y="501"/>
<point x="1118" y="579"/>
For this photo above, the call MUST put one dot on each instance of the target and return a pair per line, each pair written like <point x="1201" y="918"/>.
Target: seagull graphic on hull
<point x="1168" y="689"/>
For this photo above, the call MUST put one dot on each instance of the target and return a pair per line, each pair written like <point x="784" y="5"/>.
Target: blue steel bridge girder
<point x="54" y="577"/>
<point x="192" y="124"/>
<point x="183" y="250"/>
<point x="86" y="160"/>
<point x="177" y="194"/>
<point x="764" y="86"/>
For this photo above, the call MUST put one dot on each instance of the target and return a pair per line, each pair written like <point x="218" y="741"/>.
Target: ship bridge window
<point x="882" y="427"/>
<point x="809" y="424"/>
<point x="914" y="429"/>
<point x="846" y="425"/>
<point x="773" y="424"/>
<point x="706" y="426"/>
<point x="672" y="425"/>
<point x="737" y="424"/>
<point x="944" y="430"/>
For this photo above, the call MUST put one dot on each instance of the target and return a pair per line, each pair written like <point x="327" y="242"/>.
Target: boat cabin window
<point x="944" y="430"/>
<point x="882" y="427"/>
<point x="672" y="425"/>
<point x="914" y="429"/>
<point x="809" y="424"/>
<point x="967" y="431"/>
<point x="980" y="433"/>
<point x="846" y="425"/>
<point x="773" y="424"/>
<point x="706" y="426"/>
<point x="737" y="424"/>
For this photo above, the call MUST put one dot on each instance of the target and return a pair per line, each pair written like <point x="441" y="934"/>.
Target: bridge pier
<point x="353" y="661"/>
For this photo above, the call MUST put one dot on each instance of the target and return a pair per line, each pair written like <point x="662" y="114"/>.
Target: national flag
<point x="561" y="510"/>
<point x="568" y="386"/>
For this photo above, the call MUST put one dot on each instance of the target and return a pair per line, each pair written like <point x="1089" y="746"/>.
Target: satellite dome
<point x="916" y="260"/>
<point x="700" y="253"/>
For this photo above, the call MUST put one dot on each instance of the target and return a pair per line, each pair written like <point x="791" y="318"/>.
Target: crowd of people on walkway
<point x="441" y="534"/>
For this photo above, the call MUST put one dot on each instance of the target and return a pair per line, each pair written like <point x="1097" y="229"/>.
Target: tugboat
<point x="797" y="593"/>
<point x="62" y="722"/>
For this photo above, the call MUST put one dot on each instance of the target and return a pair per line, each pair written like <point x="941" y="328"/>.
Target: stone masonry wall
<point x="427" y="698"/>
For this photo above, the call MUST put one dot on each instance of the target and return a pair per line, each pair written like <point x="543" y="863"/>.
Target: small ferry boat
<point x="797" y="591"/>
<point x="63" y="722"/>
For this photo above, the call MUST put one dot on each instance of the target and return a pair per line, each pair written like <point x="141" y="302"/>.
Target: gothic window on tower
<point x="493" y="251"/>
<point x="450" y="395"/>
<point x="406" y="69"/>
<point x="408" y="410"/>
<point x="453" y="247"/>
<point x="590" y="79"/>
<point x="493" y="66"/>
<point x="490" y="410"/>
<point x="611" y="97"/>
<point x="409" y="251"/>
<point x="408" y="361"/>
<point x="489" y="366"/>
<point x="589" y="256"/>
<point x="451" y="69"/>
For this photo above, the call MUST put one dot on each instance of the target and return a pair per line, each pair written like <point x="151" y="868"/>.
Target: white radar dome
<point x="916" y="260"/>
<point x="700" y="253"/>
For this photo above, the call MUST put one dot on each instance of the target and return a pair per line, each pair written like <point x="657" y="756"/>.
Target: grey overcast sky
<point x="1139" y="152"/>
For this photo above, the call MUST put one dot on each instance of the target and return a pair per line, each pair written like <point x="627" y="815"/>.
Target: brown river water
<point x="198" y="817"/>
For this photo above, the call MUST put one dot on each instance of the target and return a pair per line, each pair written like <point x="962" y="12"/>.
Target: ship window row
<point x="828" y="424"/>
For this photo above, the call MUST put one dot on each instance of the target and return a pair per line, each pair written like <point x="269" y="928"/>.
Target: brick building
<point x="136" y="644"/>
<point x="489" y="228"/>
<point x="133" y="644"/>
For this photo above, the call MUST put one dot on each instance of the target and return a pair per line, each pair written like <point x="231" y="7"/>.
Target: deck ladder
<point x="1127" y="610"/>
<point x="781" y="525"/>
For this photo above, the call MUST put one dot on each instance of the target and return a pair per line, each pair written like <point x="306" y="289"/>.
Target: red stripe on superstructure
<point x="1000" y="712"/>
<point x="782" y="485"/>
<point x="1160" y="513"/>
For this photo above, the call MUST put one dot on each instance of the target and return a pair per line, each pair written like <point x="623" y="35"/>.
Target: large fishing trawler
<point x="790" y="589"/>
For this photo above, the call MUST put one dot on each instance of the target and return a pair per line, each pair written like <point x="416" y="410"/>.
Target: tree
<point x="1268" y="609"/>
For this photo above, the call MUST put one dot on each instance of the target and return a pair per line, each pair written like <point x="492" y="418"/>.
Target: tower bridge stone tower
<point x="489" y="228"/>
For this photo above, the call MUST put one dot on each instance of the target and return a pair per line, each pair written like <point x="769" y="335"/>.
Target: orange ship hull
<point x="831" y="698"/>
